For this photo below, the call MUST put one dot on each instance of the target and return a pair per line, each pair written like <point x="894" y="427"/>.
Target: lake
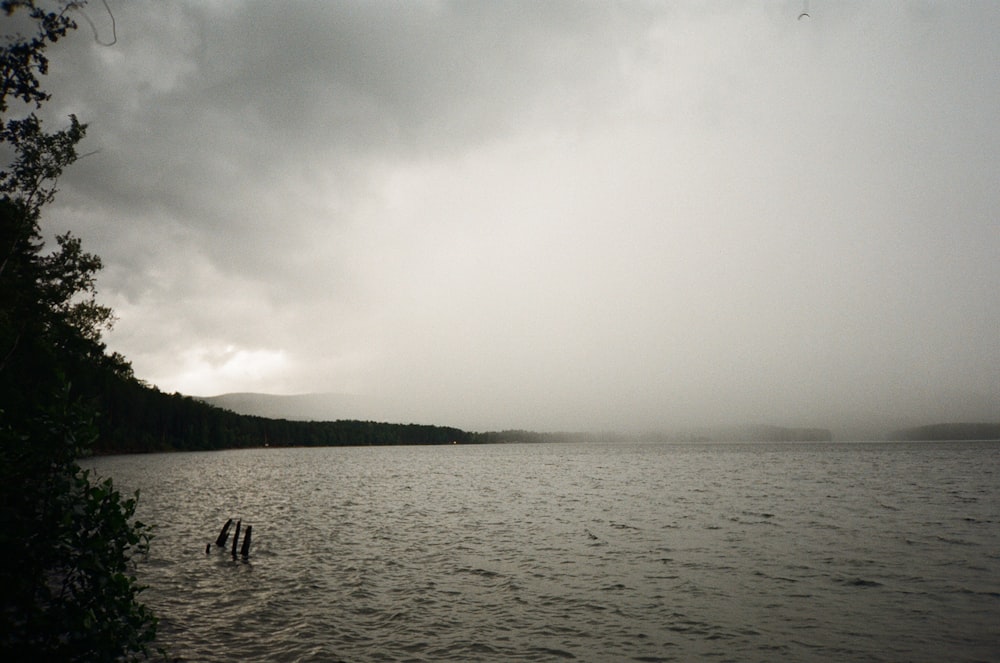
<point x="587" y="552"/>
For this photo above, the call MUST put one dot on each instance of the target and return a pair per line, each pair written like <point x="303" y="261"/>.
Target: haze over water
<point x="743" y="552"/>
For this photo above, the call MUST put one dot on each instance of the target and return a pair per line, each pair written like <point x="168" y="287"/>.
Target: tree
<point x="71" y="595"/>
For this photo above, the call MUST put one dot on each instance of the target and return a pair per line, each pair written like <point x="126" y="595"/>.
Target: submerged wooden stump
<point x="236" y="536"/>
<point x="245" y="550"/>
<point x="224" y="537"/>
<point x="224" y="534"/>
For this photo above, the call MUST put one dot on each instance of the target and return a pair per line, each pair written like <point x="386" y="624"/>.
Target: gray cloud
<point x="550" y="215"/>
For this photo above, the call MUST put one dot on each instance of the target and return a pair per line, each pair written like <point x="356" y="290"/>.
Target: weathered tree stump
<point x="224" y="534"/>
<point x="236" y="536"/>
<point x="245" y="550"/>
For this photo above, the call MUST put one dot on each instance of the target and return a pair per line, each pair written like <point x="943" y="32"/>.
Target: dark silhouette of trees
<point x="137" y="419"/>
<point x="70" y="594"/>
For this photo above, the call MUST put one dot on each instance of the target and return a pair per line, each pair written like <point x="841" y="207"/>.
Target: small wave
<point x="484" y="573"/>
<point x="956" y="542"/>
<point x="978" y="592"/>
<point x="860" y="582"/>
<point x="623" y="526"/>
<point x="558" y="653"/>
<point x="965" y="499"/>
<point x="761" y="574"/>
<point x="464" y="649"/>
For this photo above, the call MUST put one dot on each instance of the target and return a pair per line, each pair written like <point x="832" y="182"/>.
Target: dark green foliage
<point x="23" y="60"/>
<point x="71" y="595"/>
<point x="68" y="538"/>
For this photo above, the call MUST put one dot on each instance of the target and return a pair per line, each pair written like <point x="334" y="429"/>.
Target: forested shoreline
<point x="139" y="419"/>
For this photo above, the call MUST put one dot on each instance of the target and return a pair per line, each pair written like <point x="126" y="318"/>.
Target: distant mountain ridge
<point x="295" y="407"/>
<point x="950" y="431"/>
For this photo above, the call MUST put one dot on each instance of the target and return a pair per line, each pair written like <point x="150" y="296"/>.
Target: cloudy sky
<point x="549" y="215"/>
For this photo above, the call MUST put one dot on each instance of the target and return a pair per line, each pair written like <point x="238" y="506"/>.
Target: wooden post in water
<point x="224" y="534"/>
<point x="236" y="536"/>
<point x="245" y="551"/>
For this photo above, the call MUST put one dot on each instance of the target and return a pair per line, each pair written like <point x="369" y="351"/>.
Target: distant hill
<point x="298" y="407"/>
<point x="953" y="431"/>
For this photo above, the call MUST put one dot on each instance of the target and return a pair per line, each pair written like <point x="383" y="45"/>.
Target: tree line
<point x="135" y="418"/>
<point x="68" y="538"/>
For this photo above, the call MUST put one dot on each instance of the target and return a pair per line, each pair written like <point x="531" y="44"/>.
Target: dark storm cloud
<point x="200" y="109"/>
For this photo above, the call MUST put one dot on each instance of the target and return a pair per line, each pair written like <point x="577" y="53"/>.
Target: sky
<point x="554" y="215"/>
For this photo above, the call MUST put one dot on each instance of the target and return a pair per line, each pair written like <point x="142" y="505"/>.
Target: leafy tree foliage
<point x="70" y="594"/>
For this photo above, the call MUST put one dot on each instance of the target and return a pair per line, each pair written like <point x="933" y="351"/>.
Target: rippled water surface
<point x="790" y="552"/>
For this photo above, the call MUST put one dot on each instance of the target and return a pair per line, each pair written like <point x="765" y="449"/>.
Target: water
<point x="587" y="552"/>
